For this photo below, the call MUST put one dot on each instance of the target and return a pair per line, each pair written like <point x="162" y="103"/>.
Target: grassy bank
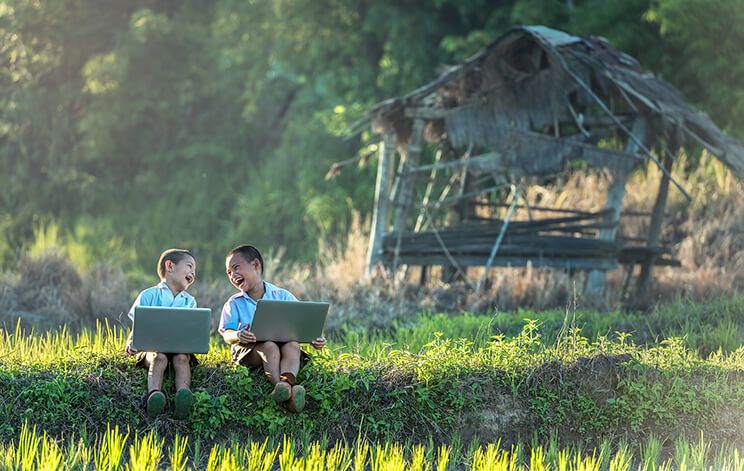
<point x="509" y="388"/>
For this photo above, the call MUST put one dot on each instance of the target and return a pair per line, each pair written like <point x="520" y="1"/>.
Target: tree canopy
<point x="136" y="126"/>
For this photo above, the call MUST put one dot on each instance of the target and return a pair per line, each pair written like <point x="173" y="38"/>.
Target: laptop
<point x="171" y="329"/>
<point x="285" y="321"/>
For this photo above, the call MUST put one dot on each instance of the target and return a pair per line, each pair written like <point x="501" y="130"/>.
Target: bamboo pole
<point x="654" y="230"/>
<point x="427" y="193"/>
<point x="404" y="196"/>
<point x="616" y="192"/>
<point x="497" y="244"/>
<point x="380" y="211"/>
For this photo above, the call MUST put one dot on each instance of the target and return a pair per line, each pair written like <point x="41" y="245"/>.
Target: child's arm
<point x="243" y="336"/>
<point x="129" y="348"/>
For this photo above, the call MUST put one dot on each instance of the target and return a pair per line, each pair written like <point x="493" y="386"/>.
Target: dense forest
<point x="129" y="127"/>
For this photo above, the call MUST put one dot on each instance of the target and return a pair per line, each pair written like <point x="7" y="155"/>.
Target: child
<point x="281" y="361"/>
<point x="177" y="271"/>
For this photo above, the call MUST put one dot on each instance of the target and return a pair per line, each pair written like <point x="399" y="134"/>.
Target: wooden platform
<point x="569" y="243"/>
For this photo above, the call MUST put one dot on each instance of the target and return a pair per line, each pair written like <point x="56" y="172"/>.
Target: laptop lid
<point x="285" y="321"/>
<point x="171" y="329"/>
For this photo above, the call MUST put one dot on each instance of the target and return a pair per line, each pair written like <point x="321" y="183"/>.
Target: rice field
<point x="118" y="449"/>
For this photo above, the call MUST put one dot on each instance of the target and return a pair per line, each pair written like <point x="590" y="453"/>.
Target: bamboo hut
<point x="534" y="102"/>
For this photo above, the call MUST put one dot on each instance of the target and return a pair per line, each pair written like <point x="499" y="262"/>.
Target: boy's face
<point x="243" y="274"/>
<point x="181" y="275"/>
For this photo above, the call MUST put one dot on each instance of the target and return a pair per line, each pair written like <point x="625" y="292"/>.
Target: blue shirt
<point x="161" y="295"/>
<point x="238" y="311"/>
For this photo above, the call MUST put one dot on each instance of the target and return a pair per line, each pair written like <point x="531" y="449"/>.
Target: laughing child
<point x="177" y="271"/>
<point x="281" y="361"/>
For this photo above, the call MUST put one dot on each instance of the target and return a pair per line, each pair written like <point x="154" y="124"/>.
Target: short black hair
<point x="249" y="253"/>
<point x="175" y="256"/>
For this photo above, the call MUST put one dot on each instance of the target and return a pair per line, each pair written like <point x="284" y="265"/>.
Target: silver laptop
<point x="284" y="321"/>
<point x="171" y="329"/>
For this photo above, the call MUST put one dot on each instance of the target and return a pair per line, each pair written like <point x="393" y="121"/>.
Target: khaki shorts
<point x="239" y="354"/>
<point x="142" y="361"/>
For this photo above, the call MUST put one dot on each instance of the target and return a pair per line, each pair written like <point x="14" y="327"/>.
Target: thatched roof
<point x="547" y="94"/>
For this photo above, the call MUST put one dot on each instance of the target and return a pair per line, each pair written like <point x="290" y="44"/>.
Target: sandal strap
<point x="288" y="377"/>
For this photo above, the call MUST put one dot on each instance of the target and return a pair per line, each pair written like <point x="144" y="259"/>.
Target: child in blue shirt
<point x="281" y="361"/>
<point x="177" y="271"/>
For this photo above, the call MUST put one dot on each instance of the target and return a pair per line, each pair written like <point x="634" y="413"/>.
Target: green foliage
<point x="706" y="327"/>
<point x="53" y="401"/>
<point x="90" y="243"/>
<point x="206" y="119"/>
<point x="695" y="28"/>
<point x="86" y="397"/>
<point x="59" y="381"/>
<point x="209" y="414"/>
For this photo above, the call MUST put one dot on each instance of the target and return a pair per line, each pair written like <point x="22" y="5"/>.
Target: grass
<point x="117" y="450"/>
<point x="441" y="381"/>
<point x="706" y="327"/>
<point x="64" y="383"/>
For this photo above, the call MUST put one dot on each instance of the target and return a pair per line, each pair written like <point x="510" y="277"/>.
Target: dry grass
<point x="706" y="235"/>
<point x="48" y="291"/>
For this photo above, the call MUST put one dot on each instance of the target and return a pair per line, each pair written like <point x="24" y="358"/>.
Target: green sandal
<point x="184" y="399"/>
<point x="282" y="392"/>
<point x="297" y="402"/>
<point x="155" y="403"/>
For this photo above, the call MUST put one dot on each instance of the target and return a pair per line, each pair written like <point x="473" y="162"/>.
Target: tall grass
<point x="53" y="347"/>
<point x="35" y="450"/>
<point x="706" y="235"/>
<point x="706" y="326"/>
<point x="450" y="341"/>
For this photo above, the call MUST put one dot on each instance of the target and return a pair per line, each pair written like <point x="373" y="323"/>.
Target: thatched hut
<point x="532" y="103"/>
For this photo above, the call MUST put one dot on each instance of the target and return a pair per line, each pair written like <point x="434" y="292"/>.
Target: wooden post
<point x="404" y="196"/>
<point x="382" y="198"/>
<point x="654" y="230"/>
<point x="427" y="196"/>
<point x="595" y="283"/>
<point x="461" y="211"/>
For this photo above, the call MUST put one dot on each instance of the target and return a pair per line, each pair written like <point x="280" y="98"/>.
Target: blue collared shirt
<point x="238" y="311"/>
<point x="161" y="295"/>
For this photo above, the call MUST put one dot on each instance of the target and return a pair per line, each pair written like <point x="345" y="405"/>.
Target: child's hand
<point x="318" y="343"/>
<point x="130" y="350"/>
<point x="246" y="337"/>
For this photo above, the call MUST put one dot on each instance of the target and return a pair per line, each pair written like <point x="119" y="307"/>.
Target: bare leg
<point x="269" y="354"/>
<point x="182" y="367"/>
<point x="290" y="358"/>
<point x="157" y="362"/>
<point x="290" y="366"/>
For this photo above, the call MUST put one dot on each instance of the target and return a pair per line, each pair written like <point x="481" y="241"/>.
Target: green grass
<point x="706" y="327"/>
<point x="442" y="380"/>
<point x="124" y="450"/>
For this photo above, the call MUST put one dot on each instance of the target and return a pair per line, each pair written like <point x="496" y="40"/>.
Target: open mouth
<point x="189" y="279"/>
<point x="238" y="281"/>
